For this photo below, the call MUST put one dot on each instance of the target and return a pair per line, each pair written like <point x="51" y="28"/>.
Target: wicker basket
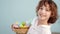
<point x="21" y="30"/>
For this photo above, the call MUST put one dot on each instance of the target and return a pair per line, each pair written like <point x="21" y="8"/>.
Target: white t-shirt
<point x="41" y="29"/>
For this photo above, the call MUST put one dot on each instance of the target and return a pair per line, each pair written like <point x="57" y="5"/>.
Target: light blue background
<point x="20" y="10"/>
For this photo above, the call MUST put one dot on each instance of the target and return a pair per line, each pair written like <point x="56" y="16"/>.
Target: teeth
<point x="42" y="15"/>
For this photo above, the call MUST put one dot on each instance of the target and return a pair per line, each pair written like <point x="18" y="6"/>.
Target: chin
<point x="42" y="18"/>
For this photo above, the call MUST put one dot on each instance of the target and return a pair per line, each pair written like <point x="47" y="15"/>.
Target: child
<point x="46" y="15"/>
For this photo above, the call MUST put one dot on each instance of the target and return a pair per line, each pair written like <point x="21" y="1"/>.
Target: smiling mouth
<point x="42" y="15"/>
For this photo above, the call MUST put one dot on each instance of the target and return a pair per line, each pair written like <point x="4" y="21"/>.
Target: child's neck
<point x="41" y="22"/>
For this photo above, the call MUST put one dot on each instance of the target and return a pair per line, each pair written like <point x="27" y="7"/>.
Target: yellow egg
<point x="16" y="22"/>
<point x="25" y="26"/>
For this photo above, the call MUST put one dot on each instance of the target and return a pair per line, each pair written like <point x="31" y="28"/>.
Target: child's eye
<point x="47" y="10"/>
<point x="41" y="8"/>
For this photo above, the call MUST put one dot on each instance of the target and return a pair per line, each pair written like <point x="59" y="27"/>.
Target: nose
<point x="43" y="11"/>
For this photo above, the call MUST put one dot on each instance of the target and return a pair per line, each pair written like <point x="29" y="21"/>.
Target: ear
<point x="52" y="14"/>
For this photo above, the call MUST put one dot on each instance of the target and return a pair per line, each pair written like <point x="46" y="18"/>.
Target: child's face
<point x="44" y="13"/>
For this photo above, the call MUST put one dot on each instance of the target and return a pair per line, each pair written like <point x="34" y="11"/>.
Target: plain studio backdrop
<point x="20" y="10"/>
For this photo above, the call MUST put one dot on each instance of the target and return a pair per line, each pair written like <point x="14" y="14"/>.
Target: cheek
<point x="39" y="12"/>
<point x="48" y="14"/>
